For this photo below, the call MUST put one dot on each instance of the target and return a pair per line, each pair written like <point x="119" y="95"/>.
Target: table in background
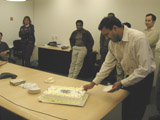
<point x="13" y="98"/>
<point x="57" y="60"/>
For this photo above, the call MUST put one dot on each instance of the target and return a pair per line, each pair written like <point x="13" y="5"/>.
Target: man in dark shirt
<point x="4" y="49"/>
<point x="81" y="42"/>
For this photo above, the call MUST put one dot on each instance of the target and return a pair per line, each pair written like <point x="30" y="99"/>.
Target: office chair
<point x="17" y="50"/>
<point x="10" y="59"/>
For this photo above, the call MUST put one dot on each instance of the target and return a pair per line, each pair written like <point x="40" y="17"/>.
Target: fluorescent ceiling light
<point x="17" y="0"/>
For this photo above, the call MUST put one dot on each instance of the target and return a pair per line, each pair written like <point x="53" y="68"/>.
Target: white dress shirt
<point x="134" y="54"/>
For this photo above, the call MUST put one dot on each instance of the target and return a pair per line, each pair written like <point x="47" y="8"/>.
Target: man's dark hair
<point x="79" y="21"/>
<point x="109" y="22"/>
<point x="111" y="14"/>
<point x="1" y="33"/>
<point x="153" y="16"/>
<point x="127" y="24"/>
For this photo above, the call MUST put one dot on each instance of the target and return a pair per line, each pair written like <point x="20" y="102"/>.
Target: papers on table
<point x="107" y="88"/>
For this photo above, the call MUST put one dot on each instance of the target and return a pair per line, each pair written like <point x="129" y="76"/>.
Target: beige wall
<point x="57" y="17"/>
<point x="17" y="10"/>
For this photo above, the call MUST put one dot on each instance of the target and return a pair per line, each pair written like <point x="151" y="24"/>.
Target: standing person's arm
<point x="26" y="32"/>
<point x="31" y="32"/>
<point x="90" y="42"/>
<point x="71" y="39"/>
<point x="153" y="38"/>
<point x="21" y="32"/>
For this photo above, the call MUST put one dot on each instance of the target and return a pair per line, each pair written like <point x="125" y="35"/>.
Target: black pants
<point x="27" y="53"/>
<point x="133" y="107"/>
<point x="158" y="91"/>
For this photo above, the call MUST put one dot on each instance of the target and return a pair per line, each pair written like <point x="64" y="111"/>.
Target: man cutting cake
<point x="130" y="48"/>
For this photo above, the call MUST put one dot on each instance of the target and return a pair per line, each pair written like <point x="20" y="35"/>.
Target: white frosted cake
<point x="64" y="95"/>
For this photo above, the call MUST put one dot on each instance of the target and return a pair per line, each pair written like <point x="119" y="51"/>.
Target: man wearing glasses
<point x="130" y="48"/>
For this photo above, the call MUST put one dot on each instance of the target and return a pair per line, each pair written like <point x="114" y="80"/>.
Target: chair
<point x="17" y="48"/>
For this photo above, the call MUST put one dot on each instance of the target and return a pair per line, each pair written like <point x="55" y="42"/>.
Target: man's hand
<point x="4" y="55"/>
<point x="89" y="86"/>
<point x="116" y="86"/>
<point x="4" y="52"/>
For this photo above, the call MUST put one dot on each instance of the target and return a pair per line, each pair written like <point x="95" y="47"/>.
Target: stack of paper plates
<point x="34" y="90"/>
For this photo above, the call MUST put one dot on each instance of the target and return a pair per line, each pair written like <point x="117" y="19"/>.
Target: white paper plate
<point x="107" y="88"/>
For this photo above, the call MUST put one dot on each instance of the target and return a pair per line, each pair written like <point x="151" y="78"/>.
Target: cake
<point x="64" y="95"/>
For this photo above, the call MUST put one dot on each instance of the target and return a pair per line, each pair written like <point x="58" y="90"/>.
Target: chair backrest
<point x="17" y="45"/>
<point x="17" y="48"/>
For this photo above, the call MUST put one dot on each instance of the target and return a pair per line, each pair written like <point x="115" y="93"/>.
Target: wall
<point x="57" y="17"/>
<point x="17" y="10"/>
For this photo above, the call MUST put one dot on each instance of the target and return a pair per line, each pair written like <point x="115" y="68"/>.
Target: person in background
<point x="104" y="43"/>
<point x="81" y="42"/>
<point x="157" y="116"/>
<point x="127" y="46"/>
<point x="26" y="33"/>
<point x="151" y="32"/>
<point x="4" y="49"/>
<point x="111" y="15"/>
<point x="127" y="24"/>
<point x="103" y="52"/>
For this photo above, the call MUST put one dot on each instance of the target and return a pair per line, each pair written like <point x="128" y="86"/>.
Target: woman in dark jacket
<point x="28" y="39"/>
